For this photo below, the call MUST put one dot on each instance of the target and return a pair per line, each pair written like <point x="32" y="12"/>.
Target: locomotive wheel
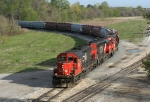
<point x="67" y="83"/>
<point x="56" y="83"/>
<point x="98" y="62"/>
<point x="53" y="83"/>
<point x="102" y="60"/>
<point x="82" y="75"/>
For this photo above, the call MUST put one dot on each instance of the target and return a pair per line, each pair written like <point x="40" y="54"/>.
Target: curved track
<point x="89" y="92"/>
<point x="48" y="96"/>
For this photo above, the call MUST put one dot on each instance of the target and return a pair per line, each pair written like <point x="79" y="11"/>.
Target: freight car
<point x="72" y="65"/>
<point x="64" y="26"/>
<point x="24" y="24"/>
<point x="77" y="28"/>
<point x="38" y="25"/>
<point x="87" y="29"/>
<point x="51" y="25"/>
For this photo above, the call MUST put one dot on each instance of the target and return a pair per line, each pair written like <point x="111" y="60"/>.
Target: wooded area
<point x="62" y="11"/>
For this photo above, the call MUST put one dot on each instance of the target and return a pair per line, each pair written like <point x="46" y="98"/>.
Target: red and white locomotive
<point x="72" y="65"/>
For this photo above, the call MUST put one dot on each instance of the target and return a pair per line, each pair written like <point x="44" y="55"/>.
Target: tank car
<point x="24" y="24"/>
<point x="38" y="25"/>
<point x="64" y="26"/>
<point x="51" y="25"/>
<point x="87" y="29"/>
<point x="77" y="28"/>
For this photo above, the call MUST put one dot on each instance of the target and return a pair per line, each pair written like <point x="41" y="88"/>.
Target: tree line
<point x="62" y="11"/>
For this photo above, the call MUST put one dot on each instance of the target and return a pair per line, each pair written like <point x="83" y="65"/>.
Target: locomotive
<point x="74" y="64"/>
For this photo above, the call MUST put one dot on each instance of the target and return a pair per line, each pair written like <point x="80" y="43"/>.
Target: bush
<point x="146" y="65"/>
<point x="8" y="27"/>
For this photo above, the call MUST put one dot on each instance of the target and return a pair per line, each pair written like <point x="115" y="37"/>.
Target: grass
<point x="131" y="30"/>
<point x="34" y="50"/>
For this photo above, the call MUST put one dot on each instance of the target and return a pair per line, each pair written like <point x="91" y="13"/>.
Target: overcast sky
<point x="114" y="3"/>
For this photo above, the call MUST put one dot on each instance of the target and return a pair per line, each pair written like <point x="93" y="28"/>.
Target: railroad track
<point x="89" y="92"/>
<point x="50" y="95"/>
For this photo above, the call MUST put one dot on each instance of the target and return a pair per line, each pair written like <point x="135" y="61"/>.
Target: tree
<point x="64" y="16"/>
<point x="147" y="15"/>
<point x="76" y="7"/>
<point x="97" y="5"/>
<point x="104" y="5"/>
<point x="62" y="4"/>
<point x="42" y="9"/>
<point x="20" y="9"/>
<point x="90" y="6"/>
<point x="140" y="8"/>
<point x="105" y="8"/>
<point x="116" y="13"/>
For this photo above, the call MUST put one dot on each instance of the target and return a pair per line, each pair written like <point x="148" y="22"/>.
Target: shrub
<point x="146" y="65"/>
<point x="8" y="27"/>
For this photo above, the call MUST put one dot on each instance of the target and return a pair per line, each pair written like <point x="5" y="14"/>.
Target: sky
<point x="115" y="3"/>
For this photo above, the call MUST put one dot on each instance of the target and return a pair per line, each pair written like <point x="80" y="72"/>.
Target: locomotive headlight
<point x="65" y="70"/>
<point x="55" y="73"/>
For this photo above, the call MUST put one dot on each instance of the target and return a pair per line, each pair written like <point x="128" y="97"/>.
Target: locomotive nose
<point x="64" y="68"/>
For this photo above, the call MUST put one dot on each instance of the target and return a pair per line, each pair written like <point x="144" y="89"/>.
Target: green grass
<point x="33" y="50"/>
<point x="131" y="30"/>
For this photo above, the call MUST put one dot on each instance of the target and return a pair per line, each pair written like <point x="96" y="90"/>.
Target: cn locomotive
<point x="74" y="64"/>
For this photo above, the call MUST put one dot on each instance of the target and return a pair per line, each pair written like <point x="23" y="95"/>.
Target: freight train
<point x="74" y="64"/>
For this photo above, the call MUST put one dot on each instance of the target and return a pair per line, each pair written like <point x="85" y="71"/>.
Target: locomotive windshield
<point x="65" y="58"/>
<point x="62" y="58"/>
<point x="70" y="58"/>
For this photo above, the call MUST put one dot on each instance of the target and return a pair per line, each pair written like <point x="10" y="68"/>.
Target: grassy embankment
<point x="131" y="30"/>
<point x="33" y="50"/>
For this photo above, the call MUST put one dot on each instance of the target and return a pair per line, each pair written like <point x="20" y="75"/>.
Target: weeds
<point x="146" y="65"/>
<point x="8" y="28"/>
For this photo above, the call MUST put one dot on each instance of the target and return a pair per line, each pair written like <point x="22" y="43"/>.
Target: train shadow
<point x="48" y="63"/>
<point x="34" y="78"/>
<point x="13" y="100"/>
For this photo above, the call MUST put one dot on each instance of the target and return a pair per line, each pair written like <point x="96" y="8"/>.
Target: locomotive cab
<point x="68" y="64"/>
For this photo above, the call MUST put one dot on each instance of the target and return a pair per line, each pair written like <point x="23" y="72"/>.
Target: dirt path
<point x="108" y="21"/>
